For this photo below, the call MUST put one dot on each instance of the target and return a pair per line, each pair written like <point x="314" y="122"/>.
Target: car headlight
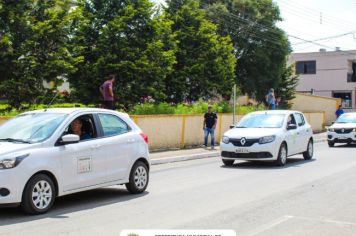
<point x="267" y="139"/>
<point x="225" y="139"/>
<point x="11" y="162"/>
<point x="331" y="130"/>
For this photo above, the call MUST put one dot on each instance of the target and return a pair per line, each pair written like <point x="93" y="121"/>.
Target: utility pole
<point x="234" y="115"/>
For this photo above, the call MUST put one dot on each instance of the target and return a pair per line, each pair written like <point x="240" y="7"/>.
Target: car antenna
<point x="54" y="97"/>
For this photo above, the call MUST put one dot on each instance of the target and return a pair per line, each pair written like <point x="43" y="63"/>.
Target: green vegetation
<point x="181" y="52"/>
<point x="150" y="108"/>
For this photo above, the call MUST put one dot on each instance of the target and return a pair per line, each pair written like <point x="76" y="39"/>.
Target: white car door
<point x="120" y="145"/>
<point x="303" y="133"/>
<point x="292" y="136"/>
<point x="83" y="163"/>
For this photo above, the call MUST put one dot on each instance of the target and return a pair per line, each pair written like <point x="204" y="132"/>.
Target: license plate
<point x="242" y="150"/>
<point x="342" y="138"/>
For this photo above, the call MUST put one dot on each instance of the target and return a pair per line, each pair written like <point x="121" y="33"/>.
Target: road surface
<point x="316" y="197"/>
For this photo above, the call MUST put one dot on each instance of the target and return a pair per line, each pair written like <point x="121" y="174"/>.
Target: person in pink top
<point x="106" y="90"/>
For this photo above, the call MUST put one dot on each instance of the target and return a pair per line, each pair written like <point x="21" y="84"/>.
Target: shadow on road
<point x="291" y="162"/>
<point x="353" y="145"/>
<point x="71" y="203"/>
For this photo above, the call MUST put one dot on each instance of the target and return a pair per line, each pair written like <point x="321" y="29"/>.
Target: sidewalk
<point x="199" y="153"/>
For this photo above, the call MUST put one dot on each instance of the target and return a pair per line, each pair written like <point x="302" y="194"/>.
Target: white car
<point x="268" y="136"/>
<point x="343" y="130"/>
<point x="49" y="153"/>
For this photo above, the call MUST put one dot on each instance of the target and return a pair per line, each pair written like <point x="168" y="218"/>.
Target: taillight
<point x="144" y="136"/>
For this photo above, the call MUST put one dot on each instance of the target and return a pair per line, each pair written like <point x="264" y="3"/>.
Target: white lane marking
<point x="323" y="220"/>
<point x="267" y="226"/>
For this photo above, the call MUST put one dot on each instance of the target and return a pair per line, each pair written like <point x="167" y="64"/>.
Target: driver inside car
<point x="76" y="127"/>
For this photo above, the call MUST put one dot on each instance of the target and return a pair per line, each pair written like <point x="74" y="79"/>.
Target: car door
<point x="119" y="143"/>
<point x="291" y="138"/>
<point x="83" y="163"/>
<point x="303" y="132"/>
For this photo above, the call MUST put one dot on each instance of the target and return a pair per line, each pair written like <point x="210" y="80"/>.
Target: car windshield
<point x="30" y="128"/>
<point x="261" y="121"/>
<point x="347" y="118"/>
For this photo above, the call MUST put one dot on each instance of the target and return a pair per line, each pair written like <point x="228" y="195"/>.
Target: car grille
<point x="249" y="142"/>
<point x="246" y="155"/>
<point x="343" y="131"/>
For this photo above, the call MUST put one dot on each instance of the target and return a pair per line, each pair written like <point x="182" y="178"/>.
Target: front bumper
<point x="258" y="152"/>
<point x="341" y="138"/>
<point x="10" y="181"/>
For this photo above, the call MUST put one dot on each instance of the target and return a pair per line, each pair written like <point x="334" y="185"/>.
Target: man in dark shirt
<point x="209" y="125"/>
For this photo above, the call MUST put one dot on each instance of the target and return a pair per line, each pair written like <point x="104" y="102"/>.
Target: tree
<point x="33" y="40"/>
<point x="287" y="86"/>
<point x="122" y="37"/>
<point x="261" y="48"/>
<point x="205" y="61"/>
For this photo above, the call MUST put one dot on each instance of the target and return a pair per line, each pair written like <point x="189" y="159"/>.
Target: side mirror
<point x="291" y="126"/>
<point x="69" y="139"/>
<point x="232" y="126"/>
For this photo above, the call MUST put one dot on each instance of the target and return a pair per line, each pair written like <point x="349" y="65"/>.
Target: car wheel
<point x="228" y="162"/>
<point x="308" y="154"/>
<point x="139" y="178"/>
<point x="331" y="143"/>
<point x="282" y="155"/>
<point x="39" y="194"/>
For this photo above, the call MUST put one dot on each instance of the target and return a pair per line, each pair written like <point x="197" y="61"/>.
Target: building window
<point x="305" y="67"/>
<point x="346" y="98"/>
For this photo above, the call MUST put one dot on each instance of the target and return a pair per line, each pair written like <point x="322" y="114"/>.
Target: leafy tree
<point x="261" y="48"/>
<point x="205" y="63"/>
<point x="285" y="92"/>
<point x="125" y="38"/>
<point x="33" y="40"/>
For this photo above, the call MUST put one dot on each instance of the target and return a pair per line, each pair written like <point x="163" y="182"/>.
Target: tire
<point x="331" y="143"/>
<point x="228" y="162"/>
<point x="139" y="178"/>
<point x="282" y="155"/>
<point x="39" y="194"/>
<point x="308" y="154"/>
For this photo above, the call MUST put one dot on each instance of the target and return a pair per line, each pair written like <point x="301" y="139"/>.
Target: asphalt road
<point x="316" y="197"/>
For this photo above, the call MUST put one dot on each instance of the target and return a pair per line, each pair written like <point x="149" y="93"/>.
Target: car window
<point x="83" y="126"/>
<point x="113" y="125"/>
<point x="291" y="120"/>
<point x="300" y="119"/>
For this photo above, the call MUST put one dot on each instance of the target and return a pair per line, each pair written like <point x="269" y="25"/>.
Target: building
<point x="327" y="73"/>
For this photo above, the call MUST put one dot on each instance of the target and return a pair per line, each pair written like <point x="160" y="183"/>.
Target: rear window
<point x="113" y="125"/>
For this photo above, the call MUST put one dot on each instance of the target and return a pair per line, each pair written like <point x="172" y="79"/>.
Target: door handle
<point x="95" y="146"/>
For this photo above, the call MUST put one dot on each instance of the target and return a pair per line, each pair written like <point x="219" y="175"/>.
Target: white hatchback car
<point x="343" y="130"/>
<point x="54" y="152"/>
<point x="268" y="136"/>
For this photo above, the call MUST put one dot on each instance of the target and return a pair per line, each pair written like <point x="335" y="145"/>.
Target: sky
<point x="311" y="20"/>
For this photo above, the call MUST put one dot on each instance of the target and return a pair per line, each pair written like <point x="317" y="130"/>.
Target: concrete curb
<point x="165" y="160"/>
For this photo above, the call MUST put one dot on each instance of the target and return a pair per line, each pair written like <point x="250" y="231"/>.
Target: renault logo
<point x="243" y="141"/>
<point x="343" y="131"/>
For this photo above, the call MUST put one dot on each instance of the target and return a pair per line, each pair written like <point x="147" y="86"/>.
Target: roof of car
<point x="276" y="112"/>
<point x="71" y="110"/>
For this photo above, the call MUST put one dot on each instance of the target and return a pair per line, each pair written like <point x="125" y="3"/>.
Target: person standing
<point x="106" y="90"/>
<point x="271" y="100"/>
<point x="210" y="120"/>
<point x="339" y="112"/>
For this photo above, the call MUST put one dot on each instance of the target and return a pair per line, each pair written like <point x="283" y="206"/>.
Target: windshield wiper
<point x="14" y="140"/>
<point x="240" y="127"/>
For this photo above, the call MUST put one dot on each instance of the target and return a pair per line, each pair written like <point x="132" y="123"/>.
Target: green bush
<point x="147" y="108"/>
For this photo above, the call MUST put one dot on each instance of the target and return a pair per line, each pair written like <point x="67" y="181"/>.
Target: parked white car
<point x="42" y="155"/>
<point x="343" y="130"/>
<point x="268" y="136"/>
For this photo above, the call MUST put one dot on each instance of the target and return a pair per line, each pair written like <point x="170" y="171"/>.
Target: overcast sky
<point x="317" y="19"/>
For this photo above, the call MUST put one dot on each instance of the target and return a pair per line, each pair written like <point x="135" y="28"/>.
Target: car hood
<point x="9" y="147"/>
<point x="343" y="126"/>
<point x="251" y="132"/>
